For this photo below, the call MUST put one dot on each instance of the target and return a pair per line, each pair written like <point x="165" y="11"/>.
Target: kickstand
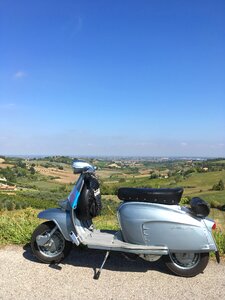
<point x="55" y="265"/>
<point x="98" y="273"/>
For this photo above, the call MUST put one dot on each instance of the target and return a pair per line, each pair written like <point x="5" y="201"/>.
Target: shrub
<point x="10" y="205"/>
<point x="222" y="207"/>
<point x="32" y="170"/>
<point x="122" y="180"/>
<point x="218" y="186"/>
<point x="214" y="204"/>
<point x="185" y="201"/>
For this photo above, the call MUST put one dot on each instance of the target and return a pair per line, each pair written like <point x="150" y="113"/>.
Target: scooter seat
<point x="169" y="196"/>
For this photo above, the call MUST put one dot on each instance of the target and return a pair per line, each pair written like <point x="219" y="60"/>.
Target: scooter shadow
<point x="90" y="258"/>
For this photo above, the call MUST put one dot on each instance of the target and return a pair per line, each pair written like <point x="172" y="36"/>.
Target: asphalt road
<point x="22" y="277"/>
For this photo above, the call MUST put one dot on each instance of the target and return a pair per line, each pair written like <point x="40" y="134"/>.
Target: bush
<point x="10" y="205"/>
<point x="122" y="180"/>
<point x="222" y="207"/>
<point x="185" y="201"/>
<point x="32" y="170"/>
<point x="218" y="186"/>
<point x="107" y="189"/>
<point x="154" y="176"/>
<point x="214" y="204"/>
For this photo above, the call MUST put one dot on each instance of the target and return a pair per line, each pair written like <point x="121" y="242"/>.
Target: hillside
<point x="41" y="183"/>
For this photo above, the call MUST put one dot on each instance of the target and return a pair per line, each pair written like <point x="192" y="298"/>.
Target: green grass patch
<point x="220" y="241"/>
<point x="108" y="218"/>
<point x="203" y="181"/>
<point x="34" y="199"/>
<point x="213" y="197"/>
<point x="41" y="183"/>
<point x="16" y="227"/>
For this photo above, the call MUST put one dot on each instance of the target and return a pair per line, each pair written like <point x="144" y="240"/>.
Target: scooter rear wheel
<point x="186" y="264"/>
<point x="55" y="250"/>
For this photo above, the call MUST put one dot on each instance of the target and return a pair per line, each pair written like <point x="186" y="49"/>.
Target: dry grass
<point x="64" y="176"/>
<point x="3" y="166"/>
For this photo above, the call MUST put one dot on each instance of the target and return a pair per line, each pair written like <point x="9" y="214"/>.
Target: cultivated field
<point x="62" y="176"/>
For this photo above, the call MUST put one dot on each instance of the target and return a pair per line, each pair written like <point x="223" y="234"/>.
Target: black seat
<point x="170" y="196"/>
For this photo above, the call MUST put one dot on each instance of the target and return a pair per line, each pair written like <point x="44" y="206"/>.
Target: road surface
<point x="22" y="277"/>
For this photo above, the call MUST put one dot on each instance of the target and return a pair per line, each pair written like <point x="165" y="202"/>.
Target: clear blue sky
<point x="112" y="77"/>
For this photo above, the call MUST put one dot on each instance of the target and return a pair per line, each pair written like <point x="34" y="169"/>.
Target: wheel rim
<point x="185" y="261"/>
<point x="54" y="246"/>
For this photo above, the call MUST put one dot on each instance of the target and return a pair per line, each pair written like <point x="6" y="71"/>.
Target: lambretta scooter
<point x="152" y="225"/>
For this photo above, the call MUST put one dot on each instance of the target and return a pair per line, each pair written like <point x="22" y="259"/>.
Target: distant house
<point x="114" y="165"/>
<point x="164" y="174"/>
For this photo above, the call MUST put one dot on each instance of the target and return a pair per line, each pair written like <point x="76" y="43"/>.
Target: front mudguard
<point x="61" y="218"/>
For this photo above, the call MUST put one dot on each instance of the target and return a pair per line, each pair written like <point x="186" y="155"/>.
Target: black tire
<point x="55" y="250"/>
<point x="186" y="264"/>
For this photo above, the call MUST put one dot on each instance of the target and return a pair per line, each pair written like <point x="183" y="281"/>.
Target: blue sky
<point x="112" y="77"/>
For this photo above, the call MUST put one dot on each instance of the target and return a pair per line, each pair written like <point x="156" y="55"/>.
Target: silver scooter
<point x="152" y="225"/>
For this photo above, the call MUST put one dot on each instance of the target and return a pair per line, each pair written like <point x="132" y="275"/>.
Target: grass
<point x="16" y="227"/>
<point x="196" y="184"/>
<point x="201" y="181"/>
<point x="108" y="218"/>
<point x="42" y="183"/>
<point x="219" y="234"/>
<point x="219" y="217"/>
<point x="34" y="199"/>
<point x="213" y="197"/>
<point x="220" y="241"/>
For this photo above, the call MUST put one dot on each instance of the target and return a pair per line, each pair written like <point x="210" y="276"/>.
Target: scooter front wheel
<point x="187" y="264"/>
<point x="56" y="248"/>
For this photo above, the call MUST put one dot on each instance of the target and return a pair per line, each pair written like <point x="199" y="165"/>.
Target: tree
<point x="9" y="174"/>
<point x="21" y="164"/>
<point x="218" y="186"/>
<point x="32" y="170"/>
<point x="154" y="176"/>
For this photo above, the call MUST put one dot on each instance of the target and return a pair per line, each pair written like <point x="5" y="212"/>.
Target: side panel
<point x="61" y="219"/>
<point x="177" y="237"/>
<point x="163" y="225"/>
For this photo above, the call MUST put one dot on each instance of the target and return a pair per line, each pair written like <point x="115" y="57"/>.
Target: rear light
<point x="214" y="226"/>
